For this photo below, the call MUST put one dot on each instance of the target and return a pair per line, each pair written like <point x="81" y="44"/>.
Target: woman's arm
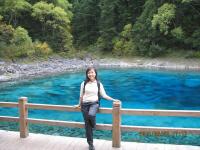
<point x="80" y="100"/>
<point x="81" y="95"/>
<point x="104" y="95"/>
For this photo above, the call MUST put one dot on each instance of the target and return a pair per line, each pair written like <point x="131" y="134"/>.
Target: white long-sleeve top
<point x="91" y="92"/>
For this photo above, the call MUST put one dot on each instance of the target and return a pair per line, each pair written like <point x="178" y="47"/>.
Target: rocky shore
<point x="16" y="71"/>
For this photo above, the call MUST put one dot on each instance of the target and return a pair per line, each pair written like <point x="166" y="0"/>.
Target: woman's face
<point x="91" y="75"/>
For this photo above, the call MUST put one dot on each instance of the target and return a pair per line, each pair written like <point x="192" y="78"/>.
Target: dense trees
<point x="85" y="22"/>
<point x="122" y="27"/>
<point x="138" y="27"/>
<point x="55" y="25"/>
<point x="31" y="27"/>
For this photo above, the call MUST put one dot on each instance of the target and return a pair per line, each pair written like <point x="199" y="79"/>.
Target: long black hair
<point x="86" y="73"/>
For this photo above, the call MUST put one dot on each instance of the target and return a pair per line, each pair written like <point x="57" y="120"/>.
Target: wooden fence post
<point x="116" y="126"/>
<point x="23" y="117"/>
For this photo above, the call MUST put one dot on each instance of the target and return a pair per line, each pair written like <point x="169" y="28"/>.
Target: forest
<point x="121" y="28"/>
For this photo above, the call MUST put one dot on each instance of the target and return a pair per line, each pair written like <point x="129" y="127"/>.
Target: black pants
<point x="89" y="111"/>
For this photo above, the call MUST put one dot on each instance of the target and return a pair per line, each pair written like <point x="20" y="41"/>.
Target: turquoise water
<point x="137" y="89"/>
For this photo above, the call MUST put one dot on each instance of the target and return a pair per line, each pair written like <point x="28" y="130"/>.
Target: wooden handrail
<point x="153" y="112"/>
<point x="9" y="104"/>
<point x="142" y="112"/>
<point x="68" y="123"/>
<point x="9" y="119"/>
<point x="104" y="126"/>
<point x="160" y="129"/>
<point x="116" y="111"/>
<point x="63" y="108"/>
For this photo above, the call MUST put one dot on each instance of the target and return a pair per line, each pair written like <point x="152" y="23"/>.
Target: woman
<point x="90" y="92"/>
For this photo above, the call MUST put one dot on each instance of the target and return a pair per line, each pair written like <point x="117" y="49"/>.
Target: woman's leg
<point x="92" y="114"/>
<point x="89" y="114"/>
<point x="88" y="128"/>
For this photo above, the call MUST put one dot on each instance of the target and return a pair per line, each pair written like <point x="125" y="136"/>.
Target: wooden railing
<point x="116" y="112"/>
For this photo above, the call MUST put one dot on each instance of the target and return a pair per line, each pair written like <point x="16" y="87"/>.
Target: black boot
<point x="91" y="147"/>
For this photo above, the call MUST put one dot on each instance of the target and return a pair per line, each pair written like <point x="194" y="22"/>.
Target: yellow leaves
<point x="42" y="49"/>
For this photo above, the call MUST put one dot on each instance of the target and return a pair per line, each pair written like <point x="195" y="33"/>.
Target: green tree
<point x="144" y="36"/>
<point x="124" y="45"/>
<point x="13" y="11"/>
<point x="190" y="23"/>
<point x="6" y="32"/>
<point x="178" y="33"/>
<point x="14" y="42"/>
<point x="85" y="22"/>
<point x="55" y="25"/>
<point x="6" y="36"/>
<point x="114" y="16"/>
<point x="164" y="17"/>
<point x="22" y="43"/>
<point x="64" y="4"/>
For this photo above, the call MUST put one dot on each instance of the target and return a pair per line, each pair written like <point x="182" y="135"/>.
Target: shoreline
<point x="54" y="66"/>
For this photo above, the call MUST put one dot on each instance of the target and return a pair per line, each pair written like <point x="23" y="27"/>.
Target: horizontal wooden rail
<point x="142" y="112"/>
<point x="63" y="108"/>
<point x="9" y="104"/>
<point x="10" y="119"/>
<point x="105" y="126"/>
<point x="105" y="110"/>
<point x="153" y="112"/>
<point x="160" y="129"/>
<point x="52" y="107"/>
<point x="56" y="123"/>
<point x="68" y="123"/>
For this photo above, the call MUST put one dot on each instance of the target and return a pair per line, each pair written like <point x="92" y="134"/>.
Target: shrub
<point x="42" y="49"/>
<point x="194" y="54"/>
<point x="178" y="33"/>
<point x="22" y="43"/>
<point x="6" y="33"/>
<point x="124" y="45"/>
<point x="155" y="50"/>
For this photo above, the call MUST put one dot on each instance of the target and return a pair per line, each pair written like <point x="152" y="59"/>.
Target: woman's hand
<point x="116" y="100"/>
<point x="77" y="106"/>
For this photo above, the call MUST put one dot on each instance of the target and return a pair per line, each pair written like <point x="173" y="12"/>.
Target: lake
<point x="136" y="88"/>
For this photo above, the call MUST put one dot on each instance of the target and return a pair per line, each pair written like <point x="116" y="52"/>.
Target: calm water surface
<point x="137" y="89"/>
